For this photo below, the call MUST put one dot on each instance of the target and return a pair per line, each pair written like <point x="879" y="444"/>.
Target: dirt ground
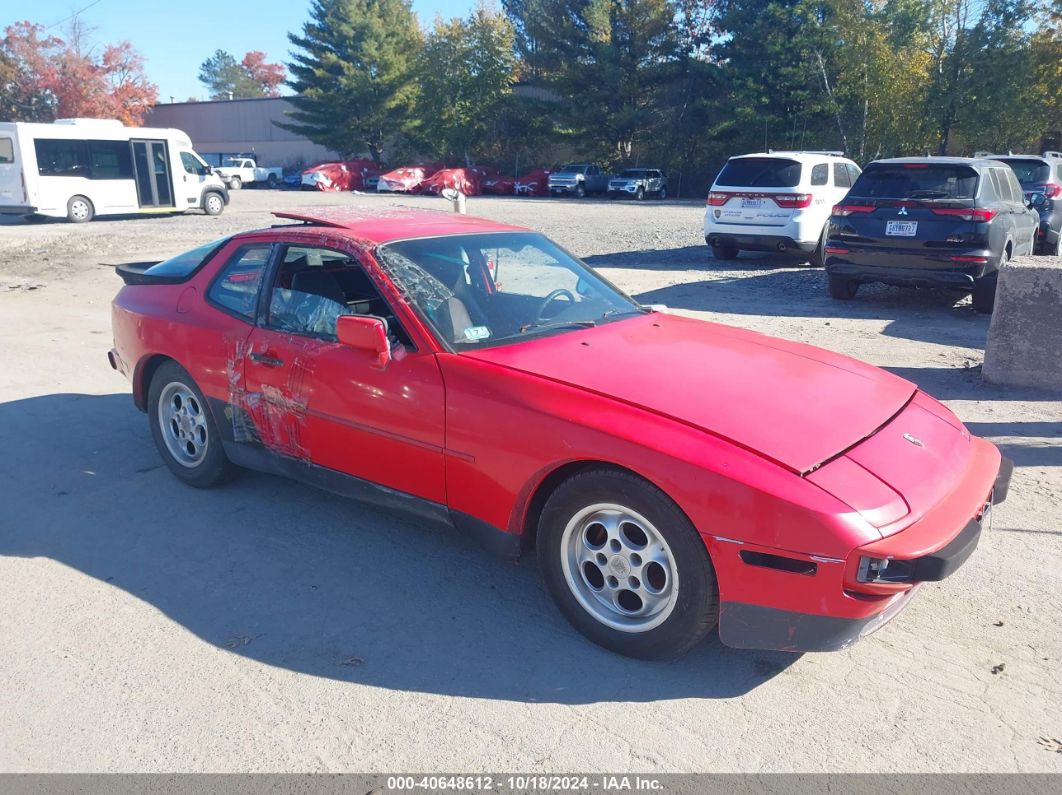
<point x="266" y="626"/>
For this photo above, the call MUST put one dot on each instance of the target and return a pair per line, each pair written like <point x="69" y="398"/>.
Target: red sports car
<point x="673" y="475"/>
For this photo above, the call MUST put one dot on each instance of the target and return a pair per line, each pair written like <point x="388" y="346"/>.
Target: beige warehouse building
<point x="241" y="125"/>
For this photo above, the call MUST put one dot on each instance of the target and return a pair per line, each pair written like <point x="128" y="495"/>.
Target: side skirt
<point x="257" y="457"/>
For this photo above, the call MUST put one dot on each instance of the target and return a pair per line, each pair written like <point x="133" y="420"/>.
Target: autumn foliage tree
<point x="44" y="77"/>
<point x="252" y="77"/>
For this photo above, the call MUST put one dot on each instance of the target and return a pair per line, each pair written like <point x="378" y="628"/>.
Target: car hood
<point x="795" y="404"/>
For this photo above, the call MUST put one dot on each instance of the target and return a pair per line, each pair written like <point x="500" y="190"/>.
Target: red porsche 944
<point x="673" y="476"/>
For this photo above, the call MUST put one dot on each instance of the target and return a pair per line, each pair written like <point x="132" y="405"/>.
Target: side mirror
<point x="365" y="333"/>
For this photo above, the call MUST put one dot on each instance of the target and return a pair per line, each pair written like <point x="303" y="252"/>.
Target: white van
<point x="776" y="201"/>
<point x="80" y="168"/>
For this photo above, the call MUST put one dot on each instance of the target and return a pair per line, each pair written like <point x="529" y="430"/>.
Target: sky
<point x="174" y="42"/>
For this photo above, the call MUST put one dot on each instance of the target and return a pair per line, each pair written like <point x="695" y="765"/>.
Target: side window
<point x="191" y="165"/>
<point x="110" y="160"/>
<point x="316" y="285"/>
<point x="841" y="177"/>
<point x="854" y="171"/>
<point x="820" y="174"/>
<point x="7" y="151"/>
<point x="58" y="158"/>
<point x="1015" y="187"/>
<point x="235" y="288"/>
<point x="990" y="190"/>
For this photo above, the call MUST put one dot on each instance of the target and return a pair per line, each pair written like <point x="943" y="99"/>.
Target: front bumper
<point x="746" y="625"/>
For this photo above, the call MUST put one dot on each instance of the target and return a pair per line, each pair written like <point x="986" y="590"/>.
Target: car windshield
<point x="1028" y="170"/>
<point x="184" y="264"/>
<point x="760" y="172"/>
<point x="915" y="181"/>
<point x="483" y="290"/>
<point x="575" y="167"/>
<point x="635" y="173"/>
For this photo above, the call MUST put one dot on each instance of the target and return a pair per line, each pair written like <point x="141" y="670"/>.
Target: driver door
<point x="330" y="405"/>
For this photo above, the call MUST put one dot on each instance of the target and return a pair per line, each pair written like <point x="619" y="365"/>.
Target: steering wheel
<point x="549" y="299"/>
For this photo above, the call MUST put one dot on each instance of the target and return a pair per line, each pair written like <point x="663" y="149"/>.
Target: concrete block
<point x="1024" y="345"/>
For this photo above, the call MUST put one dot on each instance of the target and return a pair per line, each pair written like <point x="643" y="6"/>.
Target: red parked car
<point x="673" y="475"/>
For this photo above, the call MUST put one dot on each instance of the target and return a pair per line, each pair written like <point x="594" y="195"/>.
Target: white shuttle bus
<point x="80" y="168"/>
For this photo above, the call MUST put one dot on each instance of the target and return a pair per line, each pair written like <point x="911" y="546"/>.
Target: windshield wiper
<point x="615" y="313"/>
<point x="559" y="324"/>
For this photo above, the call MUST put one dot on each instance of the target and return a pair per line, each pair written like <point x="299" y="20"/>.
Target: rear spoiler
<point x="134" y="273"/>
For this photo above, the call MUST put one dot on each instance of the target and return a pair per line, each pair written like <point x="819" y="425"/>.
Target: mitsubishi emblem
<point x="903" y="210"/>
<point x="913" y="440"/>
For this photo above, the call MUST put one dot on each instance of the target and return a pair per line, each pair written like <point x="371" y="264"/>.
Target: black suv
<point x="929" y="222"/>
<point x="1042" y="175"/>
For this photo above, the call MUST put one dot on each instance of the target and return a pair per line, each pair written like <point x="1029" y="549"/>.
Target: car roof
<point x="384" y="225"/>
<point x="946" y="161"/>
<point x="800" y="155"/>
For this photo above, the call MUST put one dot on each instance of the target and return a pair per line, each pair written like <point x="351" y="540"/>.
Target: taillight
<point x="717" y="198"/>
<point x="836" y="250"/>
<point x="845" y="210"/>
<point x="1049" y="190"/>
<point x="792" y="200"/>
<point x="979" y="215"/>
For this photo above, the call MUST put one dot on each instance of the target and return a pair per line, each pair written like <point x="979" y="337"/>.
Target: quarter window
<point x="7" y="151"/>
<point x="841" y="177"/>
<point x="235" y="289"/>
<point x="820" y="174"/>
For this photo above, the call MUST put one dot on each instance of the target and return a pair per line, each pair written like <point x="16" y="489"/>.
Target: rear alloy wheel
<point x="662" y="194"/>
<point x="984" y="293"/>
<point x="235" y="183"/>
<point x="724" y="251"/>
<point x="213" y="204"/>
<point x="271" y="181"/>
<point x="79" y="210"/>
<point x="640" y="193"/>
<point x="184" y="430"/>
<point x="843" y="288"/>
<point x="625" y="565"/>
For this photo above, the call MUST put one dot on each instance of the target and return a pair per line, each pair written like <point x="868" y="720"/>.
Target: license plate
<point x="754" y="204"/>
<point x="901" y="228"/>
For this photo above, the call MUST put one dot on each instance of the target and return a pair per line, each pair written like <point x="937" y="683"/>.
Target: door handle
<point x="266" y="360"/>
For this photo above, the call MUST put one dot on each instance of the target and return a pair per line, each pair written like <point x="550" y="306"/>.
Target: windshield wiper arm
<point x="559" y="324"/>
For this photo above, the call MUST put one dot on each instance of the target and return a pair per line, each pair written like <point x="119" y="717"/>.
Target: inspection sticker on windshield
<point x="473" y="333"/>
<point x="901" y="228"/>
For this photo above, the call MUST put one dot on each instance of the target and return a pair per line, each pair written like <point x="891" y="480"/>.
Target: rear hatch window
<point x="1028" y="170"/>
<point x="759" y="172"/>
<point x="927" y="181"/>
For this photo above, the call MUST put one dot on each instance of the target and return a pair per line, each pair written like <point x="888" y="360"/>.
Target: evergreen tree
<point x="354" y="75"/>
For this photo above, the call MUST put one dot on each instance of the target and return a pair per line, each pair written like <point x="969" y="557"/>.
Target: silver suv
<point x="639" y="182"/>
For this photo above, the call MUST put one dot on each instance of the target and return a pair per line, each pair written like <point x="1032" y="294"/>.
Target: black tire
<point x="580" y="191"/>
<point x="271" y="181"/>
<point x="235" y="183"/>
<point x="817" y="258"/>
<point x="213" y="203"/>
<point x="211" y="466"/>
<point x="725" y="251"/>
<point x="639" y="194"/>
<point x="984" y="293"/>
<point x="843" y="288"/>
<point x="662" y="194"/>
<point x="79" y="210"/>
<point x="693" y="609"/>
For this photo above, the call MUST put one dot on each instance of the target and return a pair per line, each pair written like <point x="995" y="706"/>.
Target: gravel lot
<point x="266" y="626"/>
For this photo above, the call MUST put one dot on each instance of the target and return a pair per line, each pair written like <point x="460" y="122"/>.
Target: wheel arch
<point x="527" y="518"/>
<point x="143" y="373"/>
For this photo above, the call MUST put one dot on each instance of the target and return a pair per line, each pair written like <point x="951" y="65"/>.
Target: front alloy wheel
<point x="625" y="565"/>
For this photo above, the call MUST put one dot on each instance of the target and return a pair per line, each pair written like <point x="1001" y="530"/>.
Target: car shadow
<point x="304" y="580"/>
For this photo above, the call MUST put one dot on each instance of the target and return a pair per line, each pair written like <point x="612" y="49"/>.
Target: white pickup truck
<point x="240" y="171"/>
